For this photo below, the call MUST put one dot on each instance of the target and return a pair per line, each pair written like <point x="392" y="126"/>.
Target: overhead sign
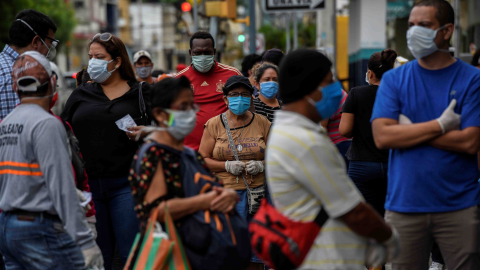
<point x="283" y="6"/>
<point x="260" y="44"/>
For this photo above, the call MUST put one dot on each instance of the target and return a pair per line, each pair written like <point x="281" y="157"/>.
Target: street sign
<point x="283" y="6"/>
<point x="260" y="44"/>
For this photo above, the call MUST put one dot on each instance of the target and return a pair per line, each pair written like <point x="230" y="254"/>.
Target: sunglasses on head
<point x="103" y="37"/>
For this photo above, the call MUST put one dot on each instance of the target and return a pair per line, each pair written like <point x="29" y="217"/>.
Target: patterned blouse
<point x="141" y="181"/>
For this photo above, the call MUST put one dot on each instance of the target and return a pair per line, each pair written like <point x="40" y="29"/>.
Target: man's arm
<point x="463" y="141"/>
<point x="388" y="134"/>
<point x="50" y="146"/>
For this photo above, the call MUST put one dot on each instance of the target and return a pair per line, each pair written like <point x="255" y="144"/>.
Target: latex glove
<point x="234" y="167"/>
<point x="255" y="167"/>
<point x="403" y="120"/>
<point x="376" y="254"/>
<point x="94" y="229"/>
<point x="82" y="199"/>
<point x="93" y="257"/>
<point x="392" y="245"/>
<point x="449" y="120"/>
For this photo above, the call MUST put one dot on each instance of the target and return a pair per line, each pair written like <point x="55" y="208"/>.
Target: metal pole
<point x="195" y="16"/>
<point x="295" y="31"/>
<point x="214" y="27"/>
<point x="334" y="23"/>
<point x="253" y="29"/>
<point x="456" y="33"/>
<point x="140" y="23"/>
<point x="287" y="18"/>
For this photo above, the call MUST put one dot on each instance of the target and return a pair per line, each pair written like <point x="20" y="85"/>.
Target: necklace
<point x="239" y="146"/>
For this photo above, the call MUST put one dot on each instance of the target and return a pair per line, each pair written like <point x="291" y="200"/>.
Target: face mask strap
<point x="49" y="48"/>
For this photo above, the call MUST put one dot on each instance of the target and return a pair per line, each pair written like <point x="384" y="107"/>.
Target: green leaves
<point x="61" y="13"/>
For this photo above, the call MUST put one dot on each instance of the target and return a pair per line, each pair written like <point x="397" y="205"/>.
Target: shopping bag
<point x="178" y="259"/>
<point x="155" y="249"/>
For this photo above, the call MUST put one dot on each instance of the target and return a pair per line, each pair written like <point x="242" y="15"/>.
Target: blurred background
<point x="348" y="31"/>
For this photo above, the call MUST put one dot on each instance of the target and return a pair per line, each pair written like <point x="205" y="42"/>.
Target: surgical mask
<point x="330" y="102"/>
<point x="203" y="63"/>
<point x="269" y="89"/>
<point x="366" y="77"/>
<point x="97" y="69"/>
<point x="179" y="124"/>
<point x="239" y="105"/>
<point x="144" y="72"/>
<point x="421" y="41"/>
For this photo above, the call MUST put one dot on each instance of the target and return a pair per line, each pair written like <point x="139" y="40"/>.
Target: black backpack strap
<point x="77" y="161"/>
<point x="322" y="217"/>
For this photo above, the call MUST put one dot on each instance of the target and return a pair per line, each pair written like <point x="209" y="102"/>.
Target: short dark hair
<point x="476" y="58"/>
<point x="260" y="69"/>
<point x="249" y="61"/>
<point x="20" y="35"/>
<point x="381" y="62"/>
<point x="202" y="35"/>
<point x="165" y="92"/>
<point x="445" y="13"/>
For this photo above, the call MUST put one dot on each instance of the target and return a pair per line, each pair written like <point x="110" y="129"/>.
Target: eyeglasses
<point x="239" y="94"/>
<point x="187" y="107"/>
<point x="103" y="37"/>
<point x="54" y="41"/>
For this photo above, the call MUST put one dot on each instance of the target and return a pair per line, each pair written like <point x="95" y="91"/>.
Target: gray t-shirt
<point x="36" y="172"/>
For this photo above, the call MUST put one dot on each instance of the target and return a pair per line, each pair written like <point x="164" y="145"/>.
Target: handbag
<point x="280" y="242"/>
<point x="143" y="107"/>
<point x="254" y="195"/>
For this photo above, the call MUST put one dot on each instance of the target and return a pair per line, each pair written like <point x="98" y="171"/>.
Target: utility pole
<point x="195" y="16"/>
<point x="295" y="31"/>
<point x="253" y="29"/>
<point x="456" y="33"/>
<point x="334" y="23"/>
<point x="140" y="24"/>
<point x="287" y="19"/>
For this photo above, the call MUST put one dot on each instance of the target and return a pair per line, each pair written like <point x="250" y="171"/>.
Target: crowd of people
<point x="392" y="165"/>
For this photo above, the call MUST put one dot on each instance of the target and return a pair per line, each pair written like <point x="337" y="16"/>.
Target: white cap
<point x="139" y="54"/>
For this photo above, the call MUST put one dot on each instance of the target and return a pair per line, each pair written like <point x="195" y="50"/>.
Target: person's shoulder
<point x="261" y="119"/>
<point x="184" y="72"/>
<point x="468" y="69"/>
<point x="228" y="68"/>
<point x="359" y="89"/>
<point x="214" y="120"/>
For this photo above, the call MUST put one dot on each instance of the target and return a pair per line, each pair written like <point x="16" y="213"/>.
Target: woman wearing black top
<point x="93" y="109"/>
<point x="368" y="165"/>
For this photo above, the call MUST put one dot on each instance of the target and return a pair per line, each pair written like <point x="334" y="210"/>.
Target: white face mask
<point x="97" y="69"/>
<point x="421" y="41"/>
<point x="366" y="78"/>
<point x="180" y="124"/>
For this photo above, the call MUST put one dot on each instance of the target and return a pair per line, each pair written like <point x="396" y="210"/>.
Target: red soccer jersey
<point x="208" y="93"/>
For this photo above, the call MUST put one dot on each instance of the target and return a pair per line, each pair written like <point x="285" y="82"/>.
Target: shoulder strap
<point x="141" y="152"/>
<point x="232" y="145"/>
<point x="141" y="101"/>
<point x="322" y="217"/>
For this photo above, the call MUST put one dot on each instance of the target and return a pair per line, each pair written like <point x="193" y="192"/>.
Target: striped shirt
<point x="8" y="97"/>
<point x="265" y="110"/>
<point x="305" y="172"/>
<point x="334" y="123"/>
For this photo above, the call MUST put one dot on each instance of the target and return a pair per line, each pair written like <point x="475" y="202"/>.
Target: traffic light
<point x="186" y="7"/>
<point x="241" y="38"/>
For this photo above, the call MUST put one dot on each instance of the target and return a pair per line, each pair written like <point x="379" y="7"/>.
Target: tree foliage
<point x="276" y="37"/>
<point x="61" y="12"/>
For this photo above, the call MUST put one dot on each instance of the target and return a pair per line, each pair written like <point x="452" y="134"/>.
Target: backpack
<point x="280" y="242"/>
<point x="212" y="241"/>
<point x="77" y="159"/>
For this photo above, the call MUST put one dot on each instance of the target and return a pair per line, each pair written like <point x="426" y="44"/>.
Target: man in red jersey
<point x="207" y="78"/>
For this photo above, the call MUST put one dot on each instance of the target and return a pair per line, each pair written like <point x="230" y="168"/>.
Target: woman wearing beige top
<point x="249" y="133"/>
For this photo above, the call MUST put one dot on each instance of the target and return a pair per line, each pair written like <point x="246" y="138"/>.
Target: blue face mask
<point x="97" y="69"/>
<point x="239" y="105"/>
<point x="269" y="89"/>
<point x="330" y="102"/>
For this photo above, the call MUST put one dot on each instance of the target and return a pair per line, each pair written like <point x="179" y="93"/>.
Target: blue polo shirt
<point x="423" y="178"/>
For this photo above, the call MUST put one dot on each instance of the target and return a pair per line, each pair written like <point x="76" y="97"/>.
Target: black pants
<point x="2" y="266"/>
<point x="436" y="254"/>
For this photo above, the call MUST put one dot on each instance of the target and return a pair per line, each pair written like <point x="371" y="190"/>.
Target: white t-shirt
<point x="305" y="172"/>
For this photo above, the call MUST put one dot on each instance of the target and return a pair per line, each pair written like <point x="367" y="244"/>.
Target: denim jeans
<point x="117" y="223"/>
<point x="38" y="244"/>
<point x="371" y="179"/>
<point x="242" y="209"/>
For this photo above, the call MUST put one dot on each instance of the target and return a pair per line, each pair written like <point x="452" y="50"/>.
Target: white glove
<point x="93" y="257"/>
<point x="255" y="167"/>
<point x="403" y="120"/>
<point x="234" y="167"/>
<point x="392" y="245"/>
<point x="94" y="229"/>
<point x="83" y="199"/>
<point x="449" y="120"/>
<point x="376" y="254"/>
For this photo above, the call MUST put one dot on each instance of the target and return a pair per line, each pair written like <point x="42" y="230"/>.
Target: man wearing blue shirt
<point x="433" y="191"/>
<point x="31" y="31"/>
